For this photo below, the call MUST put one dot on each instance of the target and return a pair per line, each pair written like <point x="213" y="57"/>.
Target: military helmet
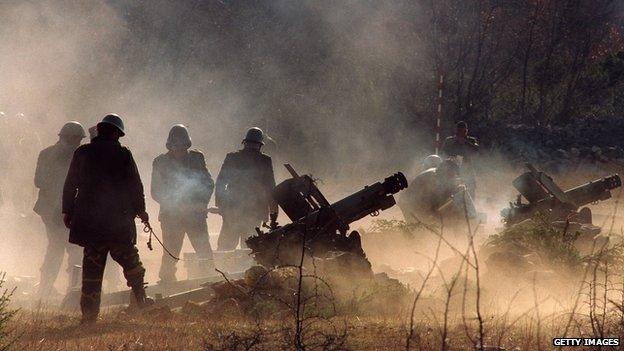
<point x="72" y="128"/>
<point x="254" y="135"/>
<point x="431" y="161"/>
<point x="115" y="121"/>
<point x="179" y="137"/>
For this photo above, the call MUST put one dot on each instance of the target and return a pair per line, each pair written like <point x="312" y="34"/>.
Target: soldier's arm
<point x="136" y="187"/>
<point x="206" y="180"/>
<point x="40" y="171"/>
<point x="157" y="186"/>
<point x="273" y="208"/>
<point x="72" y="181"/>
<point x="206" y="184"/>
<point x="222" y="180"/>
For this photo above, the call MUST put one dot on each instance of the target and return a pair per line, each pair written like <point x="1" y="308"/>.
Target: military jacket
<point x="52" y="165"/>
<point x="245" y="183"/>
<point x="180" y="185"/>
<point x="103" y="194"/>
<point x="468" y="149"/>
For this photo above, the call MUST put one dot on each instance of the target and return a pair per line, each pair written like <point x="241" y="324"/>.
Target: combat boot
<point x="88" y="320"/>
<point x="140" y="299"/>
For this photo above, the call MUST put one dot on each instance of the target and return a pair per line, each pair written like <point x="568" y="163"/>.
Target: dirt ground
<point x="175" y="331"/>
<point x="407" y="257"/>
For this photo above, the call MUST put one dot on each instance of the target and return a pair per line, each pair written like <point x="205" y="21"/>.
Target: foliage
<point x="527" y="61"/>
<point x="551" y="244"/>
<point x="610" y="257"/>
<point x="382" y="226"/>
<point x="5" y="316"/>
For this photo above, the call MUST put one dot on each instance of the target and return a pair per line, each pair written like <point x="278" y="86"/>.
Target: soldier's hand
<point x="144" y="217"/>
<point x="67" y="220"/>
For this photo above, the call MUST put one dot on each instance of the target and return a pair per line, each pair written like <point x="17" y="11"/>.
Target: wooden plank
<point x="71" y="301"/>
<point x="178" y="300"/>
<point x="180" y="286"/>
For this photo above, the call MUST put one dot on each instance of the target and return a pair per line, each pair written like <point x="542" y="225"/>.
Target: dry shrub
<point x="6" y="313"/>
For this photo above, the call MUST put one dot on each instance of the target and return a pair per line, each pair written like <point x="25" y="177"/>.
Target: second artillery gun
<point x="545" y="197"/>
<point x="317" y="225"/>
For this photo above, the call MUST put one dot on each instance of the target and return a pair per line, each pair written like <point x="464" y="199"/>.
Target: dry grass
<point x="177" y="331"/>
<point x="452" y="312"/>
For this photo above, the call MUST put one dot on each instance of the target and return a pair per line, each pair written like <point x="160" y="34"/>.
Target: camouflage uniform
<point x="468" y="150"/>
<point x="93" y="264"/>
<point x="52" y="166"/>
<point x="183" y="189"/>
<point x="243" y="194"/>
<point x="103" y="194"/>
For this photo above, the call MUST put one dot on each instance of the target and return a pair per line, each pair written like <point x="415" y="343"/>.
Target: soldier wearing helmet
<point x="52" y="165"/>
<point x="182" y="186"/>
<point x="102" y="196"/>
<point x="464" y="146"/>
<point x="430" y="191"/>
<point x="431" y="161"/>
<point x="243" y="191"/>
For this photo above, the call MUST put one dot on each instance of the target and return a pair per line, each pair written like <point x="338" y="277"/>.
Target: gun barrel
<point x="372" y="198"/>
<point x="596" y="190"/>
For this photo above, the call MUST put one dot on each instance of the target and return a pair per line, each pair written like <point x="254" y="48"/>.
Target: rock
<point x="225" y="290"/>
<point x="285" y="278"/>
<point x="345" y="264"/>
<point x="255" y="273"/>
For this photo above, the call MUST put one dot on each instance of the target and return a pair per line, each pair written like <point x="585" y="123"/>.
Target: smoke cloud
<point x="330" y="82"/>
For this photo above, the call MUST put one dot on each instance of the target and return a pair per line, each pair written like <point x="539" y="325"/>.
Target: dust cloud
<point x="327" y="81"/>
<point x="330" y="82"/>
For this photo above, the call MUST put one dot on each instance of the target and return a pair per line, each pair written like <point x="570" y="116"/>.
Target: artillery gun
<point x="547" y="198"/>
<point x="321" y="226"/>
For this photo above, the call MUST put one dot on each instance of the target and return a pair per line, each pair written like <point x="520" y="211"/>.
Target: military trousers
<point x="93" y="264"/>
<point x="174" y="228"/>
<point x="57" y="235"/>
<point x="236" y="227"/>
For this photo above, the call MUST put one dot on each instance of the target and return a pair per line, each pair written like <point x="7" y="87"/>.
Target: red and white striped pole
<point x="438" y="142"/>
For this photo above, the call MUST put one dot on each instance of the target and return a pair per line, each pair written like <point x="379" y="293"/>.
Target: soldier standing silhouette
<point x="182" y="186"/>
<point x="103" y="194"/>
<point x="243" y="191"/>
<point x="52" y="166"/>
